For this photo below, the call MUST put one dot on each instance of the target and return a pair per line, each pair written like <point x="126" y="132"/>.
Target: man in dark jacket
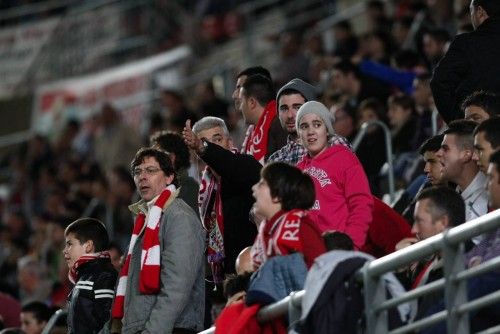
<point x="225" y="193"/>
<point x="471" y="62"/>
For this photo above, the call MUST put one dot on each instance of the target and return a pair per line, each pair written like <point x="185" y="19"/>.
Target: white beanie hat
<point x="319" y="109"/>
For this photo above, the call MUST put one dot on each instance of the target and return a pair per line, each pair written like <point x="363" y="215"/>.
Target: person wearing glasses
<point x="161" y="284"/>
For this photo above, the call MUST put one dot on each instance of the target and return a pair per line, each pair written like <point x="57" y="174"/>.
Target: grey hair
<point x="210" y="122"/>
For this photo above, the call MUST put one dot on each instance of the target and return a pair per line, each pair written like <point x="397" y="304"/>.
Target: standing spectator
<point x="339" y="180"/>
<point x="264" y="135"/>
<point x="471" y="61"/>
<point x="175" y="110"/>
<point x="174" y="145"/>
<point x="164" y="294"/>
<point x="240" y="80"/>
<point x="91" y="272"/>
<point x="435" y="43"/>
<point x="115" y="142"/>
<point x="403" y="122"/>
<point x="225" y="196"/>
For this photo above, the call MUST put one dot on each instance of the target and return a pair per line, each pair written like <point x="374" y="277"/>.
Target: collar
<point x="478" y="185"/>
<point x="143" y="206"/>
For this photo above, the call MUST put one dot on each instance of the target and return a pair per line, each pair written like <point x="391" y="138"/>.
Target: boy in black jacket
<point x="91" y="271"/>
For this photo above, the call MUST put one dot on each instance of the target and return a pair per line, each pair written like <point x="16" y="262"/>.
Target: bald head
<point x="244" y="262"/>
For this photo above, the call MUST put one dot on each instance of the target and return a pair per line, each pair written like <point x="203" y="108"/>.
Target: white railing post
<point x="375" y="294"/>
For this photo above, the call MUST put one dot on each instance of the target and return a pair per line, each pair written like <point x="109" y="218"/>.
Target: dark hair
<point x="115" y="245"/>
<point x="41" y="312"/>
<point x="337" y="240"/>
<point x="346" y="67"/>
<point x="236" y="283"/>
<point x="495" y="159"/>
<point x="463" y="129"/>
<point x="439" y="35"/>
<point x="254" y="71"/>
<point x="161" y="157"/>
<point x="432" y="144"/>
<point x="444" y="201"/>
<point x="172" y="142"/>
<point x="492" y="7"/>
<point x="488" y="101"/>
<point x="344" y="24"/>
<point x="260" y="88"/>
<point x="403" y="101"/>
<point x="85" y="229"/>
<point x="406" y="59"/>
<point x="293" y="188"/>
<point x="491" y="129"/>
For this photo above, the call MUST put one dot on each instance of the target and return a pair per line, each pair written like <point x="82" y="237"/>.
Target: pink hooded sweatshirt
<point x="343" y="199"/>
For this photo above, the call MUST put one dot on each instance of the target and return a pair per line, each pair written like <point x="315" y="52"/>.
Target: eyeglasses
<point x="148" y="171"/>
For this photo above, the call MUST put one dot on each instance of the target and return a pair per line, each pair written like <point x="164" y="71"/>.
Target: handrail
<point x="388" y="149"/>
<point x="415" y="252"/>
<point x="53" y="320"/>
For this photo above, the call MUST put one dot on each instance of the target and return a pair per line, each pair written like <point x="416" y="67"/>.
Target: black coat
<point x="90" y="301"/>
<point x="470" y="64"/>
<point x="238" y="172"/>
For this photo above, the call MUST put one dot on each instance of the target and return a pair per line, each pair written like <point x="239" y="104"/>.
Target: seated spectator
<point x="339" y="180"/>
<point x="34" y="317"/>
<point x="486" y="141"/>
<point x="436" y="209"/>
<point x="287" y="227"/>
<point x="403" y="122"/>
<point x="235" y="288"/>
<point x="480" y="106"/>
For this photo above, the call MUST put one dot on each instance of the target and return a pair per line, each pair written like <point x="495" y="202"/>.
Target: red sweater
<point x="343" y="199"/>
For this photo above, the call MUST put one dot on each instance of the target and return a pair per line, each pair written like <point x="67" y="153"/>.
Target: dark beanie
<point x="307" y="90"/>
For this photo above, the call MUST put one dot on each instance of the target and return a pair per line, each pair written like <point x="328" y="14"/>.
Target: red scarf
<point x="256" y="137"/>
<point x="278" y="236"/>
<point x="149" y="276"/>
<point x="210" y="206"/>
<point x="73" y="272"/>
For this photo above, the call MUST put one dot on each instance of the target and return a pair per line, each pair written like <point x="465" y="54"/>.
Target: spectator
<point x="34" y="317"/>
<point x="480" y="106"/>
<point x="225" y="195"/>
<point x="92" y="273"/>
<point x="175" y="110"/>
<point x="403" y="122"/>
<point x="344" y="121"/>
<point x="242" y="77"/>
<point x="209" y="104"/>
<point x="339" y="180"/>
<point x="174" y="145"/>
<point x="115" y="143"/>
<point x="33" y="280"/>
<point x="435" y="43"/>
<point x="486" y="141"/>
<point x="432" y="215"/>
<point x="470" y="63"/>
<point x="290" y="98"/>
<point x="285" y="215"/>
<point x="346" y="42"/>
<point x="163" y="295"/>
<point x="264" y="135"/>
<point x="459" y="166"/>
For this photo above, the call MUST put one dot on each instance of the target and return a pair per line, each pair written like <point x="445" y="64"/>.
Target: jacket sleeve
<point x="447" y="77"/>
<point x="181" y="261"/>
<point x="104" y="290"/>
<point x="242" y="168"/>
<point x="359" y="202"/>
<point x="401" y="79"/>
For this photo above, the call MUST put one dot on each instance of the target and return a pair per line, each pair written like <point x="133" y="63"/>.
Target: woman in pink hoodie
<point x="343" y="199"/>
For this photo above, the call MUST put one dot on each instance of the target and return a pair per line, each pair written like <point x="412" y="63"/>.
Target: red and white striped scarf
<point x="256" y="137"/>
<point x="210" y="207"/>
<point x="73" y="271"/>
<point x="277" y="236"/>
<point x="149" y="276"/>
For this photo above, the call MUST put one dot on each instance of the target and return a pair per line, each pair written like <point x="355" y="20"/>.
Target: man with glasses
<point x="161" y="285"/>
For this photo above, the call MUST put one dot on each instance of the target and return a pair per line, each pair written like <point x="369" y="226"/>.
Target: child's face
<point x="30" y="325"/>
<point x="313" y="134"/>
<point x="265" y="204"/>
<point x="73" y="249"/>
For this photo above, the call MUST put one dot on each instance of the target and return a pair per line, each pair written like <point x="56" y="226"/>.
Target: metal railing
<point x="450" y="243"/>
<point x="388" y="150"/>
<point x="53" y="321"/>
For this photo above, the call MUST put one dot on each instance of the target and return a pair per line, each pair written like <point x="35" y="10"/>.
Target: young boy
<point x="34" y="317"/>
<point x="91" y="271"/>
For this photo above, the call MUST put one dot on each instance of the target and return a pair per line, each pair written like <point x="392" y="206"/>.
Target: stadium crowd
<point x="270" y="175"/>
